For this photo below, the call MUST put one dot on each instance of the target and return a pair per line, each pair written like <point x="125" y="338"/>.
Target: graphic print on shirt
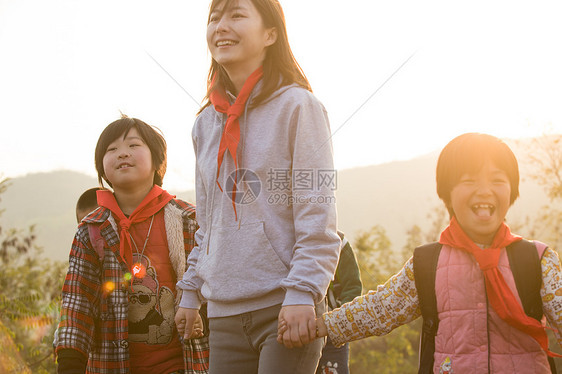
<point x="330" y="368"/>
<point x="446" y="366"/>
<point x="151" y="308"/>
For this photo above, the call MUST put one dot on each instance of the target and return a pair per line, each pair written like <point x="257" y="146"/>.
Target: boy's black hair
<point x="150" y="135"/>
<point x="467" y="153"/>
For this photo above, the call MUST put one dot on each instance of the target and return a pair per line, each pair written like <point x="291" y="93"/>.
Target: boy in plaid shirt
<point x="119" y="297"/>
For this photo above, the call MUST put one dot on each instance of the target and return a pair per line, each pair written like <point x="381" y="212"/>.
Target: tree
<point x="545" y="158"/>
<point x="375" y="257"/>
<point x="30" y="287"/>
<point x="396" y="352"/>
<point x="10" y="358"/>
<point x="546" y="155"/>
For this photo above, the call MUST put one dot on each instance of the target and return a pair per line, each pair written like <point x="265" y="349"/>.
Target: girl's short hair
<point x="280" y="68"/>
<point x="467" y="153"/>
<point x="150" y="135"/>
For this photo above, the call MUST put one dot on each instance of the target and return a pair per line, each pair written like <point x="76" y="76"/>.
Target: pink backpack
<point x="96" y="240"/>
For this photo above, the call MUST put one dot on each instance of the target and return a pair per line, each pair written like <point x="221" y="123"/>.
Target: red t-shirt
<point x="154" y="345"/>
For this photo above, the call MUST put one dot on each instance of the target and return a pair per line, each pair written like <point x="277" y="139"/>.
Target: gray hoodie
<point x="284" y="246"/>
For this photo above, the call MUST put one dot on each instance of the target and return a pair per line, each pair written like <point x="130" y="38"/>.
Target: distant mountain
<point x="395" y="195"/>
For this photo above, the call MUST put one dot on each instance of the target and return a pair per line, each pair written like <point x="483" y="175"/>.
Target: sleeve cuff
<point x="190" y="300"/>
<point x="296" y="297"/>
<point x="336" y="340"/>
<point x="71" y="361"/>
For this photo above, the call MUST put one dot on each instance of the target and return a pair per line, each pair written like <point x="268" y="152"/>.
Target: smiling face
<point x="127" y="162"/>
<point x="237" y="37"/>
<point x="480" y="202"/>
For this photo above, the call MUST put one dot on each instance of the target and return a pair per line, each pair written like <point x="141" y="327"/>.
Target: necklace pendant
<point x="139" y="270"/>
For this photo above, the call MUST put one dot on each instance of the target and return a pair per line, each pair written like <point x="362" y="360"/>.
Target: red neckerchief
<point x="231" y="133"/>
<point x="155" y="200"/>
<point x="501" y="298"/>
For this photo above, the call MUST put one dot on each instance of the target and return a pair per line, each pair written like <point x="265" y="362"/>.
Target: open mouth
<point x="223" y="43"/>
<point x="483" y="210"/>
<point x="124" y="166"/>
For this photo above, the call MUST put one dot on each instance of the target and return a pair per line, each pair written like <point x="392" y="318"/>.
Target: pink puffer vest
<point x="471" y="337"/>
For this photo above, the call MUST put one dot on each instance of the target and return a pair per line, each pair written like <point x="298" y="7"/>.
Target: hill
<point x="48" y="201"/>
<point x="396" y="195"/>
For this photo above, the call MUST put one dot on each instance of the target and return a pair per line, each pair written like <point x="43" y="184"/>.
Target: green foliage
<point x="396" y="352"/>
<point x="29" y="296"/>
<point x="374" y="257"/>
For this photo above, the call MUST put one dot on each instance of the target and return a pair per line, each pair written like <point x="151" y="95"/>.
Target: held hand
<point x="321" y="329"/>
<point x="299" y="325"/>
<point x="189" y="323"/>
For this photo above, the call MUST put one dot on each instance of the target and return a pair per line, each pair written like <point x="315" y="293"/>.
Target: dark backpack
<point x="525" y="266"/>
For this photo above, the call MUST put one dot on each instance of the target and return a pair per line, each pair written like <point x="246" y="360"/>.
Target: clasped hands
<point x="298" y="326"/>
<point x="189" y="323"/>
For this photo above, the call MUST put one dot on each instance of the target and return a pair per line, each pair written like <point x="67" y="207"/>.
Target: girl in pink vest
<point x="482" y="325"/>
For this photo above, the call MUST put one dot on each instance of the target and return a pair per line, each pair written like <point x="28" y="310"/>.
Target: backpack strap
<point x="96" y="240"/>
<point x="526" y="268"/>
<point x="525" y="263"/>
<point x="425" y="265"/>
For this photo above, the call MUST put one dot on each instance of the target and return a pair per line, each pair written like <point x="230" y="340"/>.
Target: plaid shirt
<point x="94" y="318"/>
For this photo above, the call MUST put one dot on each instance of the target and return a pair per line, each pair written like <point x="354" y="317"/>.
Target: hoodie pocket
<point x="240" y="264"/>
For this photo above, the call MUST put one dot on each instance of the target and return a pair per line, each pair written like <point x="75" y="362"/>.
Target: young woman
<point x="267" y="243"/>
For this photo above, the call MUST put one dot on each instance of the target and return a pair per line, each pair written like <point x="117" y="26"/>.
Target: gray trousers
<point x="247" y="344"/>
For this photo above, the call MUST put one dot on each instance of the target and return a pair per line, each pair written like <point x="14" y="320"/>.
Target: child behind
<point x="86" y="203"/>
<point x="119" y="298"/>
<point x="345" y="286"/>
<point x="482" y="326"/>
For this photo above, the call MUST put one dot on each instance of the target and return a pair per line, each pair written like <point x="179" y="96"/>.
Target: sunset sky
<point x="68" y="67"/>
